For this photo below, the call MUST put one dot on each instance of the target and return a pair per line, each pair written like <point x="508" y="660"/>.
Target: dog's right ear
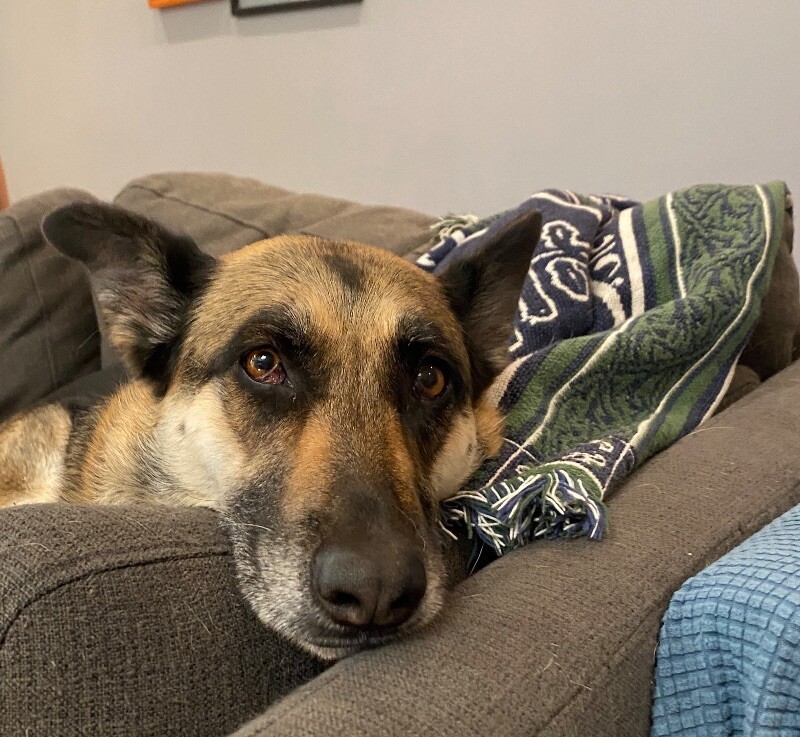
<point x="483" y="287"/>
<point x="144" y="278"/>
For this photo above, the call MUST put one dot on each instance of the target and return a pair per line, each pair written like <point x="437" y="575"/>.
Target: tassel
<point x="548" y="501"/>
<point x="449" y="225"/>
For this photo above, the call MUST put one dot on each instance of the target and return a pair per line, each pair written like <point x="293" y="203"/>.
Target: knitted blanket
<point x="630" y="323"/>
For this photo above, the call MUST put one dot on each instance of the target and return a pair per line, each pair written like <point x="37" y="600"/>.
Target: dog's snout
<point x="368" y="590"/>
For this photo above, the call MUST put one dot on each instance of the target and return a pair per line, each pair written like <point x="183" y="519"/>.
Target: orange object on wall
<point x="170" y="3"/>
<point x="3" y="189"/>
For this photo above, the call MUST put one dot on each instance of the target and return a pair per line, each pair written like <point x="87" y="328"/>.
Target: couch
<point x="126" y="620"/>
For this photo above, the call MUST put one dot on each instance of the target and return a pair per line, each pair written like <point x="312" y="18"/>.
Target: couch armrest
<point x="127" y="621"/>
<point x="559" y="638"/>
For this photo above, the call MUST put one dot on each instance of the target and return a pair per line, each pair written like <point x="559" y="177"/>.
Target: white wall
<point x="438" y="105"/>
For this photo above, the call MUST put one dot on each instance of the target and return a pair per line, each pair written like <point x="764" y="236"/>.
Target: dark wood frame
<point x="279" y="7"/>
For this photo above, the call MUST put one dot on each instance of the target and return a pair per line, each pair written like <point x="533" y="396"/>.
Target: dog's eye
<point x="264" y="366"/>
<point x="430" y="382"/>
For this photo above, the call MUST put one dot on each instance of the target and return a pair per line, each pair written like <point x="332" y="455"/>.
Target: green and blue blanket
<point x="630" y="323"/>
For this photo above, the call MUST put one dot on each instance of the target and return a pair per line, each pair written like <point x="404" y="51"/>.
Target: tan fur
<point x="456" y="458"/>
<point x="32" y="447"/>
<point x="202" y="445"/>
<point x="307" y="487"/>
<point x="394" y="286"/>
<point x="474" y="437"/>
<point x="489" y="424"/>
<point x="401" y="464"/>
<point x="115" y="450"/>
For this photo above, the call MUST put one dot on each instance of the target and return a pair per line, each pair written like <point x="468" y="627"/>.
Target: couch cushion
<point x="223" y="212"/>
<point x="48" y="329"/>
<point x="96" y="385"/>
<point x="776" y="339"/>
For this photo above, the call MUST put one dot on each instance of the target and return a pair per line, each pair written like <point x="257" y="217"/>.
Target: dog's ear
<point x="483" y="287"/>
<point x="144" y="278"/>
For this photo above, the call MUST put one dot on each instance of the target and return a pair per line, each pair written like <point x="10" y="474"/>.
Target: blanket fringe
<point x="545" y="502"/>
<point x="451" y="226"/>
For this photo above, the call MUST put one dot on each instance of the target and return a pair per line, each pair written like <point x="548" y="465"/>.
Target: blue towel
<point x="728" y="660"/>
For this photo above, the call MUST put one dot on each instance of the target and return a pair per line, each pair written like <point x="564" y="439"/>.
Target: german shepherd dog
<point x="323" y="397"/>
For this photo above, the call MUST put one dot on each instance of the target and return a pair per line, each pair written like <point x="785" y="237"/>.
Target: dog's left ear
<point x="144" y="278"/>
<point x="483" y="287"/>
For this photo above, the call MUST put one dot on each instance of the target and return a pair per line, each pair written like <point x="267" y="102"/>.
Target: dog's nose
<point x="362" y="590"/>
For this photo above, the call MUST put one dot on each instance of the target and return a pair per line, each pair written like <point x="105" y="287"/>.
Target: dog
<point x="322" y="397"/>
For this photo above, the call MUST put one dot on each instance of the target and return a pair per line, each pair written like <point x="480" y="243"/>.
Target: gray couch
<point x="126" y="620"/>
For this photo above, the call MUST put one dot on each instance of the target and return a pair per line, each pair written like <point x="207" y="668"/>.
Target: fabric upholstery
<point x="744" y="380"/>
<point x="92" y="386"/>
<point x="220" y="212"/>
<point x="48" y="329"/>
<point x="223" y="212"/>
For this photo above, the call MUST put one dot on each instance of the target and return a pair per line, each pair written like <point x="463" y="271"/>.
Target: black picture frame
<point x="278" y="7"/>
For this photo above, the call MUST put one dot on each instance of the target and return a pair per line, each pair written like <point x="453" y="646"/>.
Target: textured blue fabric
<point x="728" y="660"/>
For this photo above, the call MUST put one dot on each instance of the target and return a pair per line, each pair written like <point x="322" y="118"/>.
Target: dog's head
<point x="323" y="396"/>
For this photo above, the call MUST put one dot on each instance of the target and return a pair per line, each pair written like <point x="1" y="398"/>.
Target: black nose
<point x="380" y="589"/>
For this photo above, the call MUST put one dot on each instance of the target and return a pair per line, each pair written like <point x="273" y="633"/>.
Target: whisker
<point x="89" y="337"/>
<point x="414" y="524"/>
<point x="249" y="524"/>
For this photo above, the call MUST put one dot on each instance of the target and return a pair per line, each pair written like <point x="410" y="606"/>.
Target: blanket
<point x="728" y="661"/>
<point x="630" y="323"/>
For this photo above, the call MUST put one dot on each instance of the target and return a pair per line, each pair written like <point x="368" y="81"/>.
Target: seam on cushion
<point x="202" y="208"/>
<point x="103" y="569"/>
<point x="346" y="205"/>
<point x="347" y="208"/>
<point x="714" y="554"/>
<point x="45" y="316"/>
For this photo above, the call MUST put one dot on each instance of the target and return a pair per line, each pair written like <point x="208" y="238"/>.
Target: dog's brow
<point x="273" y="322"/>
<point x="414" y="328"/>
<point x="277" y="325"/>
